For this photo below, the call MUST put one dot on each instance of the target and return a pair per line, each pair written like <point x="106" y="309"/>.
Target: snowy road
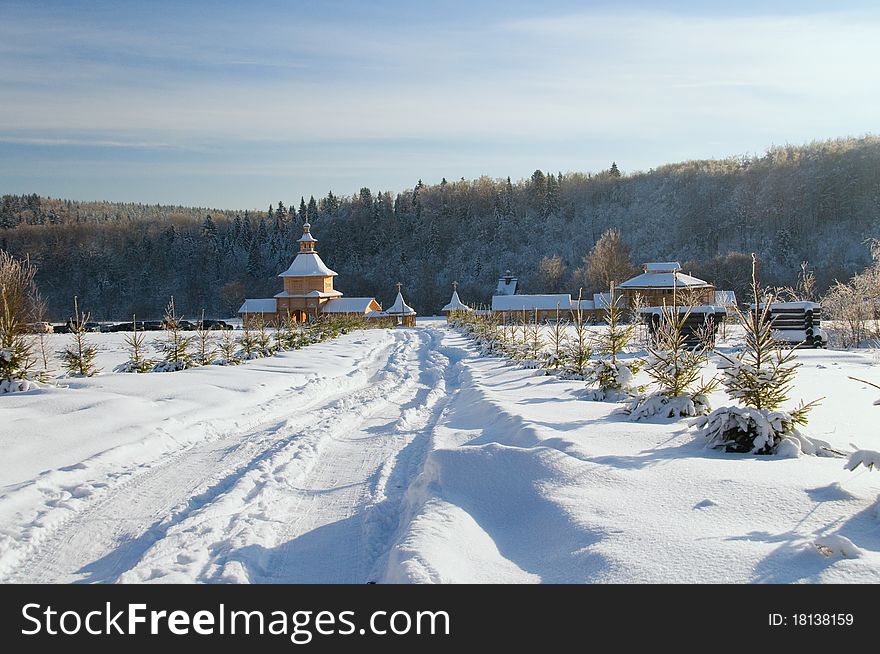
<point x="311" y="496"/>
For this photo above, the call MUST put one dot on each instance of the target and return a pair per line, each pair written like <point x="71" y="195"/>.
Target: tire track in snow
<point x="326" y="517"/>
<point x="103" y="534"/>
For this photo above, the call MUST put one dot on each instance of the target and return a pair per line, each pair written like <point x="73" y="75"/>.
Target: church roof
<point x="308" y="264"/>
<point x="400" y="308"/>
<point x="261" y="305"/>
<point x="455" y="304"/>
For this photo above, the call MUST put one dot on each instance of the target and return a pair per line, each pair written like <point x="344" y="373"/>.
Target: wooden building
<point x="308" y="290"/>
<point x="664" y="283"/>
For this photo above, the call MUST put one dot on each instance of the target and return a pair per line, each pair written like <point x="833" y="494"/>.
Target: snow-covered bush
<point x="609" y="378"/>
<point x="136" y="342"/>
<point x="759" y="377"/>
<point x="79" y="357"/>
<point x="175" y="346"/>
<point x="676" y="370"/>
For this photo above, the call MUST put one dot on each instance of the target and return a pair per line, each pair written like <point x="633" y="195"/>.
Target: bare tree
<point x="608" y="262"/>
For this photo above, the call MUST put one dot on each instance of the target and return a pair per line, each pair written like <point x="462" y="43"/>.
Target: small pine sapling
<point x="79" y="357"/>
<point x="760" y="378"/>
<point x="264" y="339"/>
<point x="250" y="347"/>
<point x="136" y="342"/>
<point x="205" y="347"/>
<point x="580" y="345"/>
<point x="175" y="347"/>
<point x="534" y="343"/>
<point x="676" y="369"/>
<point x="556" y="356"/>
<point x="228" y="348"/>
<point x="611" y="377"/>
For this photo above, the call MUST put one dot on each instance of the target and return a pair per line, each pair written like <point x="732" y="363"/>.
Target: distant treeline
<point x="818" y="202"/>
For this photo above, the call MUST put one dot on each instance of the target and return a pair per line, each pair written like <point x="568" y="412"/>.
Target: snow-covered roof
<point x="377" y="314"/>
<point x="348" y="305"/>
<point x="261" y="305"/>
<point x="662" y="266"/>
<point x="725" y="298"/>
<point x="308" y="264"/>
<point x="585" y="305"/>
<point x="531" y="302"/>
<point x="310" y="294"/>
<point x="664" y="280"/>
<point x="455" y="304"/>
<point x="506" y="284"/>
<point x="400" y="308"/>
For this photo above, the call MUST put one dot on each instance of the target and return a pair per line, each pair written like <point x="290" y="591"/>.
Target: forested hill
<point x="818" y="202"/>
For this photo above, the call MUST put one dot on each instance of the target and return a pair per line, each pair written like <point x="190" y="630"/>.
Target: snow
<point x="405" y="456"/>
<point x="308" y="264"/>
<point x="261" y="305"/>
<point x="531" y="302"/>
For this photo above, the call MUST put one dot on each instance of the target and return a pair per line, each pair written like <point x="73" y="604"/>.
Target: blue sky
<point x="229" y="104"/>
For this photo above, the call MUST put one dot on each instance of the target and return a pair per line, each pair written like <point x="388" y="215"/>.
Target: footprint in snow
<point x="705" y="504"/>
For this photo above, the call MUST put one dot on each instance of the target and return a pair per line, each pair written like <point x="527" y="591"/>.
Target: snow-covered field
<point x="402" y="456"/>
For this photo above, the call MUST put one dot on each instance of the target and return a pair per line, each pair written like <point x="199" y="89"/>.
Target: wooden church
<point x="308" y="291"/>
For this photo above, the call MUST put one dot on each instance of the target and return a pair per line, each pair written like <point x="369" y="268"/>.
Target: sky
<point x="236" y="105"/>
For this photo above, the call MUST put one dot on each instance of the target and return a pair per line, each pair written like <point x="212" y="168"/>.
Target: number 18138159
<point x="811" y="620"/>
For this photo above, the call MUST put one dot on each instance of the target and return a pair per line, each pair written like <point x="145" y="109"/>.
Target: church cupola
<point x="307" y="241"/>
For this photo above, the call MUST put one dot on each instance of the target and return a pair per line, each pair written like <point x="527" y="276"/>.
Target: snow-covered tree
<point x="79" y="357"/>
<point x="760" y="377"/>
<point x="609" y="377"/>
